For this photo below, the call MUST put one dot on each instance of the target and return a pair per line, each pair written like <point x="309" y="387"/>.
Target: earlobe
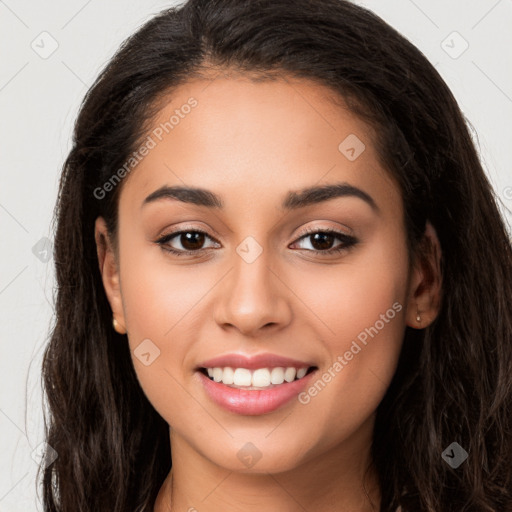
<point x="426" y="282"/>
<point x="109" y="270"/>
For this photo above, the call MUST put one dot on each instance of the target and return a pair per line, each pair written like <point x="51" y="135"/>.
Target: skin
<point x="251" y="143"/>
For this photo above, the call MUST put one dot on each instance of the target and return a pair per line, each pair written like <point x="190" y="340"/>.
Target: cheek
<point x="363" y="306"/>
<point x="351" y="296"/>
<point x="163" y="303"/>
<point x="156" y="300"/>
<point x="159" y="295"/>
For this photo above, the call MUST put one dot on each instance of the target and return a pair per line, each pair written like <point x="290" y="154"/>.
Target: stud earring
<point x="418" y="317"/>
<point x="116" y="326"/>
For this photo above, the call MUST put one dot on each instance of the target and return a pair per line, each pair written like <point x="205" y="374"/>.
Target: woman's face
<point x="261" y="291"/>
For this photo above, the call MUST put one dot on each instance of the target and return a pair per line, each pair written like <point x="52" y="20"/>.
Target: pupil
<point x="194" y="240"/>
<point x="187" y="240"/>
<point x="325" y="242"/>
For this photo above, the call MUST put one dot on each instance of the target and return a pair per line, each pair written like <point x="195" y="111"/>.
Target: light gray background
<point x="39" y="98"/>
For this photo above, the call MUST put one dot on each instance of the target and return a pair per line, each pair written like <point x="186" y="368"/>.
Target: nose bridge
<point x="252" y="296"/>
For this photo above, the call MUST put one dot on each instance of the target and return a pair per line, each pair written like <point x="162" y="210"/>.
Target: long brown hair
<point x="453" y="382"/>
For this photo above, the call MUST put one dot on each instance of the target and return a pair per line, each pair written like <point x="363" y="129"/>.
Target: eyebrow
<point x="294" y="199"/>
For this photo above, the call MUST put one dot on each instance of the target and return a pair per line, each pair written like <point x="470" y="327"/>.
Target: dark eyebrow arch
<point x="319" y="194"/>
<point x="293" y="200"/>
<point x="191" y="195"/>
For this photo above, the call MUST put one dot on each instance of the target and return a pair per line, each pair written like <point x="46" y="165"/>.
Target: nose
<point x="253" y="298"/>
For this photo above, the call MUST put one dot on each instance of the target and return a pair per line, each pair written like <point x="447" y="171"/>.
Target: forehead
<point x="223" y="133"/>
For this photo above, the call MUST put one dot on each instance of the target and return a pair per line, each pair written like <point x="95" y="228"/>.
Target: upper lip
<point x="253" y="362"/>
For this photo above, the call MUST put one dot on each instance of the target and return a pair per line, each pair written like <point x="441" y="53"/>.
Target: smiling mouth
<point x="257" y="379"/>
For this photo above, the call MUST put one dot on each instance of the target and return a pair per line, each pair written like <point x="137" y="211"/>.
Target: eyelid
<point x="349" y="240"/>
<point x="327" y="229"/>
<point x="187" y="229"/>
<point x="184" y="229"/>
<point x="304" y="232"/>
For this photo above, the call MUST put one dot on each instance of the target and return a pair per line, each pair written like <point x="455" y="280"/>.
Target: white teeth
<point x="242" y="377"/>
<point x="259" y="378"/>
<point x="228" y="376"/>
<point x="289" y="374"/>
<point x="217" y="374"/>
<point x="301" y="373"/>
<point x="277" y="375"/>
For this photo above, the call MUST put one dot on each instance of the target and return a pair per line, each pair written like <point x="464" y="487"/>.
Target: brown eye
<point x="191" y="242"/>
<point x="322" y="241"/>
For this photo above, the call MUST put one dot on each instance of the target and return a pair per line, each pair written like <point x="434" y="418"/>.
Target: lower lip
<point x="253" y="402"/>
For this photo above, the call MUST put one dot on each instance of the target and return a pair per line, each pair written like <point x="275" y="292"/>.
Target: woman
<point x="283" y="279"/>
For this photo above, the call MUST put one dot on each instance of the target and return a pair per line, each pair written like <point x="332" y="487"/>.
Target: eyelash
<point x="348" y="241"/>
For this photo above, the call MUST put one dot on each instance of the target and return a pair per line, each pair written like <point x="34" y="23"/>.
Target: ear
<point x="425" y="288"/>
<point x="109" y="270"/>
